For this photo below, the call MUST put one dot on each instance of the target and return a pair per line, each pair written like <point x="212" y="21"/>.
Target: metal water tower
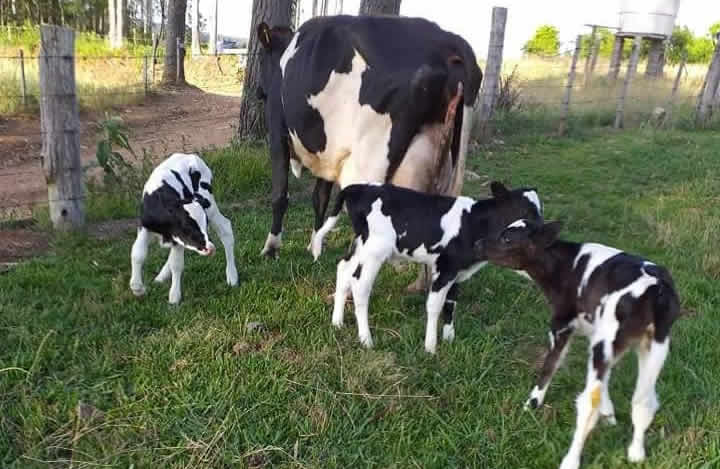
<point x="653" y="20"/>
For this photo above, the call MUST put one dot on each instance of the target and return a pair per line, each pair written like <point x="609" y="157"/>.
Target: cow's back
<point x="346" y="90"/>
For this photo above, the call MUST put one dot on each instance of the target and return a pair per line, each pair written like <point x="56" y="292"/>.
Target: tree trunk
<point x="196" y="28"/>
<point x="112" y="24"/>
<point x="122" y="18"/>
<point x="147" y="23"/>
<point x="379" y="7"/>
<point x="175" y="31"/>
<point x="212" y="40"/>
<point x="252" y="114"/>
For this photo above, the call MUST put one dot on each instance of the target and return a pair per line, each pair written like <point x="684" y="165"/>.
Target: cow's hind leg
<point x="321" y="197"/>
<point x="280" y="157"/>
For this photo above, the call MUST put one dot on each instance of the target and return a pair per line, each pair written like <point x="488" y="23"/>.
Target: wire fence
<point x="536" y="86"/>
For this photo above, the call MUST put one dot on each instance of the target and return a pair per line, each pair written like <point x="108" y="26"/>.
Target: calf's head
<point x="521" y="243"/>
<point x="190" y="227"/>
<point x="513" y="204"/>
<point x="274" y="41"/>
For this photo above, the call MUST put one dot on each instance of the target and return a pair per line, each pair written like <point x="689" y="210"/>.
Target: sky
<point x="471" y="18"/>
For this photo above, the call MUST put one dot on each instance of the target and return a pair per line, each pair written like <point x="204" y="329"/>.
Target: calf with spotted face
<point x="616" y="299"/>
<point x="177" y="205"/>
<point x="444" y="233"/>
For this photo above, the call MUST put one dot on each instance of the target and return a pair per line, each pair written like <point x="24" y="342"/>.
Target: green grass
<point x="191" y="387"/>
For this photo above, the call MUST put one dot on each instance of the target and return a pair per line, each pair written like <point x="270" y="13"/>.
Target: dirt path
<point x="182" y="121"/>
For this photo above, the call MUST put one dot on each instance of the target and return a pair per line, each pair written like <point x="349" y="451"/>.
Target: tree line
<point x="683" y="42"/>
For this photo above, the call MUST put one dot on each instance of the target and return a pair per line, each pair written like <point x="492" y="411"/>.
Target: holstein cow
<point x="177" y="204"/>
<point x="444" y="233"/>
<point x="365" y="99"/>
<point x="616" y="299"/>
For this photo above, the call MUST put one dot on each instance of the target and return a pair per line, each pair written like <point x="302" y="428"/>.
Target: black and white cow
<point x="177" y="204"/>
<point x="365" y="99"/>
<point x="616" y="299"/>
<point x="444" y="233"/>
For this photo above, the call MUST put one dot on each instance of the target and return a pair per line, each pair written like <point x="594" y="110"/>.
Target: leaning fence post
<point x="569" y="86"/>
<point x="178" y="58"/>
<point x="620" y="109"/>
<point x="145" y="73"/>
<point x="589" y="58"/>
<point x="60" y="125"/>
<point x="23" y="85"/>
<point x="488" y="94"/>
<point x="712" y="82"/>
<point x="676" y="85"/>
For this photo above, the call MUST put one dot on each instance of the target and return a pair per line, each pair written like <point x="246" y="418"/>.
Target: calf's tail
<point x="330" y="222"/>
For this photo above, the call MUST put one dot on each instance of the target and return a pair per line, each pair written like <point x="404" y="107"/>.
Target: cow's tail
<point x="317" y="241"/>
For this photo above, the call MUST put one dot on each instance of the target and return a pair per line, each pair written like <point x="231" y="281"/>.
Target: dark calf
<point x="616" y="299"/>
<point x="441" y="232"/>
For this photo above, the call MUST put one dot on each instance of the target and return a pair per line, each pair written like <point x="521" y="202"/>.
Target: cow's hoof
<point x="137" y="290"/>
<point x="367" y="342"/>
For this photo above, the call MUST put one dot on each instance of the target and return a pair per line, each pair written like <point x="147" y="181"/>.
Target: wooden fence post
<point x="620" y="110"/>
<point x="712" y="81"/>
<point x="593" y="62"/>
<point x="491" y="80"/>
<point x="676" y="85"/>
<point x="23" y="85"/>
<point x="569" y="86"/>
<point x="60" y="126"/>
<point x="145" y="73"/>
<point x="616" y="58"/>
<point x="589" y="58"/>
<point x="178" y="60"/>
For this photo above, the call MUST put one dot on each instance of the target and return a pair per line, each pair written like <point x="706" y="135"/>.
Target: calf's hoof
<point x="609" y="419"/>
<point x="636" y="453"/>
<point x="448" y="333"/>
<point x="366" y="342"/>
<point x="570" y="463"/>
<point x="272" y="244"/>
<point x="531" y="404"/>
<point x="137" y="290"/>
<point x="232" y="278"/>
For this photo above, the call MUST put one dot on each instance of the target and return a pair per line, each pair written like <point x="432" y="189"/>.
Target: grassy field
<point x="192" y="387"/>
<point x="105" y="77"/>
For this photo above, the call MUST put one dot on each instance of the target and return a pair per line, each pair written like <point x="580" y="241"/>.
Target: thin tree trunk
<point x="379" y="7"/>
<point x="147" y="23"/>
<point x="175" y="31"/>
<point x="112" y="24"/>
<point x="195" y="28"/>
<point x="252" y="114"/>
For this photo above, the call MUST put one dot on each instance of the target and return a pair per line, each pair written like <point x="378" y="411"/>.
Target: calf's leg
<point x="223" y="227"/>
<point x="164" y="274"/>
<point x="559" y="341"/>
<point x="343" y="279"/>
<point x="138" y="254"/>
<point x="449" y="313"/>
<point x="588" y="402"/>
<point x="362" y="280"/>
<point x="434" y="306"/>
<point x="645" y="402"/>
<point x="177" y="264"/>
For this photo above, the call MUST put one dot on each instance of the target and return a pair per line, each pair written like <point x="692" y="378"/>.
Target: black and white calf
<point x="177" y="204"/>
<point x="616" y="299"/>
<point x="445" y="233"/>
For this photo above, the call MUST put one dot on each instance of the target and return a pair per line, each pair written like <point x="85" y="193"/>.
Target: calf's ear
<point x="498" y="189"/>
<point x="548" y="233"/>
<point x="264" y="35"/>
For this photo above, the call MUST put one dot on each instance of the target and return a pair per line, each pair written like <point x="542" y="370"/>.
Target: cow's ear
<point x="498" y="189"/>
<point x="263" y="31"/>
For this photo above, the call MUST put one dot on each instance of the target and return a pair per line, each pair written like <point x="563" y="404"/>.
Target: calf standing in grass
<point x="177" y="204"/>
<point x="616" y="299"/>
<point x="441" y="232"/>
